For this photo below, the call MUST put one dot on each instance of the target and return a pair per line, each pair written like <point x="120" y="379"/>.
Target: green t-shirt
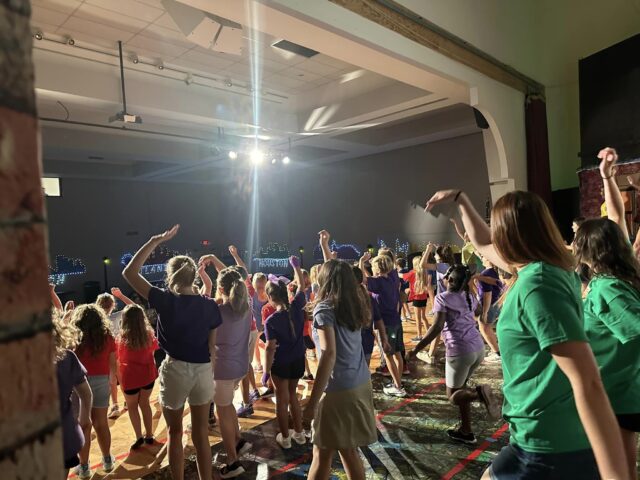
<point x="612" y="323"/>
<point x="543" y="308"/>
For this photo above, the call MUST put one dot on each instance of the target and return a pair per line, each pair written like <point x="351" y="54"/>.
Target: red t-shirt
<point x="97" y="364"/>
<point x="411" y="278"/>
<point x="136" y="368"/>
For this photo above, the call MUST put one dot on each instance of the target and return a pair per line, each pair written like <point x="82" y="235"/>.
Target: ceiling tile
<point x="130" y="8"/>
<point x="43" y="27"/>
<point x="162" y="48"/>
<point x="318" y="68"/>
<point x="207" y="69"/>
<point x="167" y="22"/>
<point x="107" y="17"/>
<point x="269" y="66"/>
<point x="89" y="38"/>
<point x="152" y="3"/>
<point x="281" y="82"/>
<point x="157" y="32"/>
<point x="241" y="70"/>
<point x="209" y="57"/>
<point x="64" y="6"/>
<point x="332" y="62"/>
<point x="96" y="29"/>
<point x="44" y="15"/>
<point x="301" y="75"/>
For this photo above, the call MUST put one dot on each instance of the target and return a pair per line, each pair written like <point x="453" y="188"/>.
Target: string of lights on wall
<point x="399" y="246"/>
<point x="63" y="267"/>
<point x="273" y="255"/>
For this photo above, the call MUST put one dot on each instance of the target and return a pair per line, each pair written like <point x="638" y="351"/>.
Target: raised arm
<point x="325" y="236"/>
<point x="612" y="196"/>
<point x="116" y="292"/>
<point x="207" y="284"/>
<point x="366" y="256"/>
<point x="131" y="272"/>
<point x="458" y="227"/>
<point x="576" y="361"/>
<point x="474" y="225"/>
<point x="424" y="260"/>
<point x="297" y="273"/>
<point x="212" y="260"/>
<point x="239" y="262"/>
<point x="55" y="299"/>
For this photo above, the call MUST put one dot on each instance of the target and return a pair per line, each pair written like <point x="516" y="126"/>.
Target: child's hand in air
<point x="233" y="250"/>
<point x="166" y="235"/>
<point x="294" y="261"/>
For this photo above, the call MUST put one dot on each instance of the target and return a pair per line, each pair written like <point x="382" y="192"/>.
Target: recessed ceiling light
<point x="233" y="155"/>
<point x="38" y="35"/>
<point x="286" y="160"/>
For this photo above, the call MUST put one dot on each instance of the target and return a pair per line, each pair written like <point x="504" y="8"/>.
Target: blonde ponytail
<point x="181" y="273"/>
<point x="233" y="287"/>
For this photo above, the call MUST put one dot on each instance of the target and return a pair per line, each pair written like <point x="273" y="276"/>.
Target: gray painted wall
<point x="358" y="201"/>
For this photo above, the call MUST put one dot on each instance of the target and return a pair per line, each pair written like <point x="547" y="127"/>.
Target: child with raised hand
<point x="107" y="303"/>
<point x="286" y="354"/>
<point x="135" y="347"/>
<point x="231" y="363"/>
<point x="612" y="306"/>
<point x="385" y="284"/>
<point x="185" y="332"/>
<point x="419" y="281"/>
<point x="71" y="377"/>
<point x="341" y="401"/>
<point x="455" y="310"/>
<point x="97" y="353"/>
<point x="562" y="424"/>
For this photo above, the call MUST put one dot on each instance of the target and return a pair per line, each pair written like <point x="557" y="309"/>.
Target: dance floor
<point x="412" y="440"/>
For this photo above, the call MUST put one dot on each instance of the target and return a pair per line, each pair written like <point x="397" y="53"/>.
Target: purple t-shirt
<point x="388" y="291"/>
<point x="232" y="344"/>
<point x="495" y="290"/>
<point x="70" y="373"/>
<point x="368" y="338"/>
<point x="460" y="331"/>
<point x="441" y="270"/>
<point x="277" y="327"/>
<point x="256" y="308"/>
<point x="184" y="323"/>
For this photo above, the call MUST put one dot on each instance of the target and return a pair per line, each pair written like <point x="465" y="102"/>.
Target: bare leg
<point x="630" y="441"/>
<point x="134" y="414"/>
<point x="229" y="430"/>
<point x="463" y="398"/>
<point x="294" y="406"/>
<point x="244" y="389"/>
<point x="147" y="415"/>
<point x="114" y="393"/>
<point x="174" y="441"/>
<point x="352" y="463"/>
<point x="200" y="438"/>
<point x="282" y="404"/>
<point x="489" y="335"/>
<point x="321" y="464"/>
<point x="396" y="374"/>
<point x="101" y="426"/>
<point x="416" y="311"/>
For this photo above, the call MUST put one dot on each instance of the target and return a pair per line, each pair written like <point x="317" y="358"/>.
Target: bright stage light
<point x="286" y="160"/>
<point x="273" y="161"/>
<point x="233" y="155"/>
<point x="256" y="156"/>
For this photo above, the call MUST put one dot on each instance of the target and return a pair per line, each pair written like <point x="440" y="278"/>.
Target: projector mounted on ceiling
<point x="124" y="116"/>
<point x="205" y="29"/>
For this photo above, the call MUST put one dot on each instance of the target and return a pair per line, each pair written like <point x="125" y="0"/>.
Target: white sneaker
<point x="394" y="391"/>
<point x="493" y="357"/>
<point x="426" y="358"/>
<point x="83" y="471"/>
<point x="283" y="442"/>
<point x="299" y="438"/>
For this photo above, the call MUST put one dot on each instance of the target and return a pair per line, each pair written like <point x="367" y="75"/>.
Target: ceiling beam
<point x="395" y="17"/>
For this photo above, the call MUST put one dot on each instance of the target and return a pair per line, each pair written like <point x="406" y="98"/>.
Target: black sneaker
<point x="267" y="393"/>
<point x="138" y="443"/>
<point x="458" y="436"/>
<point x="231" y="471"/>
<point x="149" y="440"/>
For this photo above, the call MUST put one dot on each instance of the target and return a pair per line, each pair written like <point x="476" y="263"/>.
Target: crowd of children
<point x="571" y="365"/>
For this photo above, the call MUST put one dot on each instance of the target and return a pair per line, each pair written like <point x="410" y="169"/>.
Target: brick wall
<point x="30" y="439"/>
<point x="591" y="196"/>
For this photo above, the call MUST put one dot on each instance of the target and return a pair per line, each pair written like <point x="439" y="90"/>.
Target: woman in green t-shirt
<point x="612" y="306"/>
<point x="555" y="403"/>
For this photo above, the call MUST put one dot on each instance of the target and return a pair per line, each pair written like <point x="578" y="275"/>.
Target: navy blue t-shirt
<point x="184" y="324"/>
<point x="277" y="327"/>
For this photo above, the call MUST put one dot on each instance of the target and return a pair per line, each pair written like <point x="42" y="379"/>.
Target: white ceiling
<point x="319" y="109"/>
<point x="148" y="31"/>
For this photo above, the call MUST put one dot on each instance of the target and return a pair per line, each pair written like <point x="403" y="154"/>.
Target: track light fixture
<point x="70" y="40"/>
<point x="160" y="65"/>
<point x="286" y="160"/>
<point x="134" y="58"/>
<point x="38" y="35"/>
<point x="228" y="82"/>
<point x="233" y="155"/>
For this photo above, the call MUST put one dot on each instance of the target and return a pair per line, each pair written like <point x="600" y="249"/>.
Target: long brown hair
<point x="601" y="244"/>
<point x="94" y="326"/>
<point x="181" y="272"/>
<point x="339" y="287"/>
<point x="135" y="329"/>
<point x="232" y="286"/>
<point x="523" y="232"/>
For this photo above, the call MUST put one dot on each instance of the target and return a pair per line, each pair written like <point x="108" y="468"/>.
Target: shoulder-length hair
<point x="523" y="232"/>
<point x="339" y="287"/>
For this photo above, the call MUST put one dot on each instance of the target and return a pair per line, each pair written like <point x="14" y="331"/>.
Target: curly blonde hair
<point x="65" y="337"/>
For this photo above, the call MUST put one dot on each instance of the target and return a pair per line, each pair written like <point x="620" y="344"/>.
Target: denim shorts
<point x="513" y="463"/>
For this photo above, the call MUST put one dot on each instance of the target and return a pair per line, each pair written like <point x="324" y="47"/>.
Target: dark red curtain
<point x="538" y="170"/>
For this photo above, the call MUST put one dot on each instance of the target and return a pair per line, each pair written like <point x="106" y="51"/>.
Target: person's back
<point x="279" y="327"/>
<point x="460" y="332"/>
<point x="232" y="344"/>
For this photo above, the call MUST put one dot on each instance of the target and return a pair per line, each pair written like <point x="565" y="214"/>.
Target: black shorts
<point x="308" y="343"/>
<point x="71" y="462"/>
<point x="135" y="391"/>
<point x="289" y="371"/>
<point x="420" y="303"/>
<point x="629" y="421"/>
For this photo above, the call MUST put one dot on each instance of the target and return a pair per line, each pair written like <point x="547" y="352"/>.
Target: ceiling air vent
<point x="291" y="47"/>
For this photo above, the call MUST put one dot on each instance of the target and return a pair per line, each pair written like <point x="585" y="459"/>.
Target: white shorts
<point x="224" y="390"/>
<point x="181" y="381"/>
